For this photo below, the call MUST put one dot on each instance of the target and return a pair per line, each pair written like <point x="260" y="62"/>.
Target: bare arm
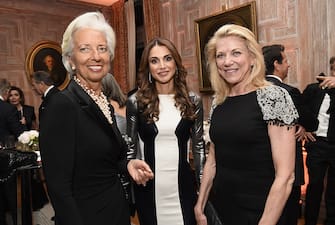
<point x="283" y="153"/>
<point x="205" y="187"/>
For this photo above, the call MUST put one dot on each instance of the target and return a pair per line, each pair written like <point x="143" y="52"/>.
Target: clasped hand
<point x="140" y="171"/>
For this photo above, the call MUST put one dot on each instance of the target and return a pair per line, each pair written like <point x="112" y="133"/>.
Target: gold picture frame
<point x="47" y="56"/>
<point x="244" y="15"/>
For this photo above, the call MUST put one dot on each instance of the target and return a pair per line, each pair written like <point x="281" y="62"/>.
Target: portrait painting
<point x="244" y="15"/>
<point x="46" y="56"/>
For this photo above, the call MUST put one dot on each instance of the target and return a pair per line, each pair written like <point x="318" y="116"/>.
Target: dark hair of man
<point x="271" y="54"/>
<point x="4" y="86"/>
<point x="21" y="94"/>
<point x="332" y="63"/>
<point x="42" y="76"/>
<point x="147" y="95"/>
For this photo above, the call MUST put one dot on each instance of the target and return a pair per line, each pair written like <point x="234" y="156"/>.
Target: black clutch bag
<point x="11" y="160"/>
<point x="211" y="214"/>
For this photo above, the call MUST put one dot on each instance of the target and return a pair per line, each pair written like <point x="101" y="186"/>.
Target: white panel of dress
<point x="168" y="207"/>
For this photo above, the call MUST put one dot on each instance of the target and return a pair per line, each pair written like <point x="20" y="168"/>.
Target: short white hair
<point x="92" y="20"/>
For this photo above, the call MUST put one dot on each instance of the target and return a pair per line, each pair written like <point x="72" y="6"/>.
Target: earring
<point x="177" y="71"/>
<point x="150" y="79"/>
<point x="73" y="68"/>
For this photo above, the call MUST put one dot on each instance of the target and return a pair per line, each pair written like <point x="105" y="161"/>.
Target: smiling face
<point x="233" y="60"/>
<point x="162" y="67"/>
<point x="90" y="56"/>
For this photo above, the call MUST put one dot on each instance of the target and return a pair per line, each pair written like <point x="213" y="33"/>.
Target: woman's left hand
<point x="23" y="120"/>
<point x="140" y="171"/>
<point x="199" y="215"/>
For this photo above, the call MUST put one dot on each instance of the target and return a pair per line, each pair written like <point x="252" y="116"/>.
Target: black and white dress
<point x="170" y="197"/>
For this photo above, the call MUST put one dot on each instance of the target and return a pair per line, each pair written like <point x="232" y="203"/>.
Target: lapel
<point x="86" y="103"/>
<point x="331" y="93"/>
<point x="318" y="94"/>
<point x="273" y="80"/>
<point x="45" y="99"/>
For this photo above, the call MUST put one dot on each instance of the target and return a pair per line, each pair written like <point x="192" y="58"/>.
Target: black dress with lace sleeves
<point x="244" y="165"/>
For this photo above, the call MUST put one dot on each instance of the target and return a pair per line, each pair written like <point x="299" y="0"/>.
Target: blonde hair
<point x="93" y="20"/>
<point x="257" y="75"/>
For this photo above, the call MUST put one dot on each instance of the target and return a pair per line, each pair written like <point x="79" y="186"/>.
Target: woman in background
<point x="26" y="112"/>
<point x="166" y="116"/>
<point x="27" y="117"/>
<point x="249" y="171"/>
<point x="118" y="100"/>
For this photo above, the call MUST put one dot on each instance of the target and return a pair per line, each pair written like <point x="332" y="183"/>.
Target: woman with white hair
<point x="81" y="147"/>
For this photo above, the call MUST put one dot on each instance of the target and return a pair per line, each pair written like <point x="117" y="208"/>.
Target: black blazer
<point x="45" y="101"/>
<point x="9" y="121"/>
<point x="82" y="154"/>
<point x="312" y="98"/>
<point x="297" y="100"/>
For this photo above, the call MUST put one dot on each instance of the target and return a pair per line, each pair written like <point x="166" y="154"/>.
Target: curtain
<point x="151" y="18"/>
<point x="118" y="21"/>
<point x="130" y="16"/>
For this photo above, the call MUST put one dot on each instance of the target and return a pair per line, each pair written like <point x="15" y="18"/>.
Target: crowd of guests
<point x="106" y="155"/>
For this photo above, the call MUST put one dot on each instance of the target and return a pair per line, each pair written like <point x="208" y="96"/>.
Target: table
<point x="24" y="200"/>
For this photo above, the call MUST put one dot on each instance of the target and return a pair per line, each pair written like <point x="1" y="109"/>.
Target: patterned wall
<point x="304" y="27"/>
<point x="24" y="23"/>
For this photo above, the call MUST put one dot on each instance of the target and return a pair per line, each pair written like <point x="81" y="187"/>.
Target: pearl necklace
<point x="100" y="100"/>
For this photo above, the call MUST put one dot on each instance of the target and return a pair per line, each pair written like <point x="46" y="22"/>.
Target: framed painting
<point x="244" y="15"/>
<point x="46" y="55"/>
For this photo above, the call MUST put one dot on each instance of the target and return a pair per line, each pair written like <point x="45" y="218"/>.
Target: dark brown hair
<point x="147" y="95"/>
<point x="21" y="94"/>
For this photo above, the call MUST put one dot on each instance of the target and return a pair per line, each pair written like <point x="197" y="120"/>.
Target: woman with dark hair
<point x="27" y="117"/>
<point x="26" y="112"/>
<point x="118" y="99"/>
<point x="166" y="116"/>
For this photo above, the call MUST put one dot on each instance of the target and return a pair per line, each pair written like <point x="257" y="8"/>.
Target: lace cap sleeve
<point x="277" y="106"/>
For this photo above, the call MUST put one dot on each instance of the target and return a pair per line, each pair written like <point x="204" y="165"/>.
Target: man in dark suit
<point x="277" y="69"/>
<point x="320" y="103"/>
<point x="9" y="126"/>
<point x="43" y="85"/>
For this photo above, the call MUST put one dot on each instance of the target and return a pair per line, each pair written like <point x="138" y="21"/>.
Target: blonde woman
<point x="249" y="171"/>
